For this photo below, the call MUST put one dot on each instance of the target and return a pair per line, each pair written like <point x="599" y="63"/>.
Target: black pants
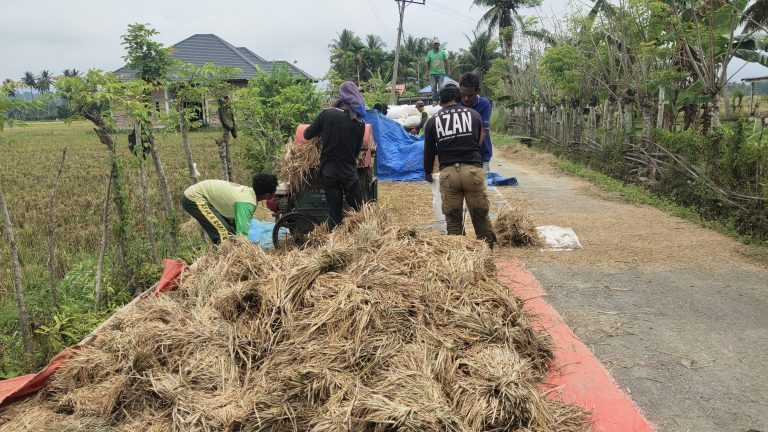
<point x="215" y="225"/>
<point x="336" y="188"/>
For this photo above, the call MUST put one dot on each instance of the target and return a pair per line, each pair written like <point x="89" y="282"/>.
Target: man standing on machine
<point x="341" y="130"/>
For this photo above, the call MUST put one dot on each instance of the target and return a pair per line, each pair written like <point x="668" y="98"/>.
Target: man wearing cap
<point x="424" y="116"/>
<point x="453" y="135"/>
<point x="437" y="68"/>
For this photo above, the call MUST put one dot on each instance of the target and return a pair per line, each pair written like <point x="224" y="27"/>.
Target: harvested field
<point x="408" y="203"/>
<point x="378" y="329"/>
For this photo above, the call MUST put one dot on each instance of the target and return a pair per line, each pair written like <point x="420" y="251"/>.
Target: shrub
<point x="269" y="109"/>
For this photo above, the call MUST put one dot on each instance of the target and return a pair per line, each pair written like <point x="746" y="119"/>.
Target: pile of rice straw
<point x="298" y="160"/>
<point x="514" y="228"/>
<point x="378" y="329"/>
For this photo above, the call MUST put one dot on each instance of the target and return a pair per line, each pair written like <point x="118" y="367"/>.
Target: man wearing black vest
<point x="453" y="135"/>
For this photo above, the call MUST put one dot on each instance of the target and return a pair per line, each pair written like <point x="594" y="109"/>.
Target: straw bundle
<point x="298" y="160"/>
<point x="514" y="228"/>
<point x="378" y="329"/>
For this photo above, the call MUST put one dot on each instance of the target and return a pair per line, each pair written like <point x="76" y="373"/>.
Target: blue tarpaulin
<point x="495" y="179"/>
<point x="399" y="155"/>
<point x="261" y="232"/>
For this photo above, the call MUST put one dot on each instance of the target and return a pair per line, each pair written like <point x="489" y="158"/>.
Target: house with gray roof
<point x="200" y="49"/>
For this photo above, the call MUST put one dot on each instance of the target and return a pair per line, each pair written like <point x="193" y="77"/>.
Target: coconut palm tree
<point x="477" y="58"/>
<point x="347" y="54"/>
<point x="44" y="81"/>
<point x="374" y="55"/>
<point x="71" y="73"/>
<point x="412" y="55"/>
<point x="500" y="17"/>
<point x="30" y="80"/>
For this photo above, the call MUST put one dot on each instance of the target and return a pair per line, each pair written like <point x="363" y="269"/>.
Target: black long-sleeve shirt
<point x="453" y="134"/>
<point x="342" y="139"/>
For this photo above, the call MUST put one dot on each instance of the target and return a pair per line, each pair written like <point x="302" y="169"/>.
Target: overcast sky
<point x="84" y="34"/>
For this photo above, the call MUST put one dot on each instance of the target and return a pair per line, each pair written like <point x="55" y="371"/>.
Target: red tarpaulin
<point x="14" y="388"/>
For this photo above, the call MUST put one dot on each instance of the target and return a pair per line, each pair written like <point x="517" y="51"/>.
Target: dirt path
<point x="675" y="311"/>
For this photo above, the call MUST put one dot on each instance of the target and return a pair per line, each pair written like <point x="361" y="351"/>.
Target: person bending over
<point x="224" y="208"/>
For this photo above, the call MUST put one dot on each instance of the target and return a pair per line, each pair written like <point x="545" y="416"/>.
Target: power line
<point x="454" y="11"/>
<point x="453" y="15"/>
<point x="401" y="4"/>
<point x="373" y="9"/>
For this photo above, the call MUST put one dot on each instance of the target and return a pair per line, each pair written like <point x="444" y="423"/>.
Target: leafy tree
<point x="90" y="97"/>
<point x="561" y="67"/>
<point x="192" y="84"/>
<point x="149" y="58"/>
<point x="347" y="55"/>
<point x="152" y="63"/>
<point x="9" y="88"/>
<point x="269" y="110"/>
<point x="68" y="73"/>
<point x="412" y="57"/>
<point x="480" y="54"/>
<point x="375" y="57"/>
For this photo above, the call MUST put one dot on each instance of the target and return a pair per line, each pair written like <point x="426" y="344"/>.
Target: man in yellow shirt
<point x="219" y="205"/>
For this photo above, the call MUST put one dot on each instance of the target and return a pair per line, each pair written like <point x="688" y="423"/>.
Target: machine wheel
<point x="298" y="226"/>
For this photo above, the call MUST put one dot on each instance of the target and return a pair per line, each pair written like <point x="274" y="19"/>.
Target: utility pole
<point x="401" y="4"/>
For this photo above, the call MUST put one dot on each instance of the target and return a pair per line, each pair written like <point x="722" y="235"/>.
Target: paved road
<point x="676" y="312"/>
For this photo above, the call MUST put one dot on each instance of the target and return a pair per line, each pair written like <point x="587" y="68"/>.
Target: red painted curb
<point x="577" y="376"/>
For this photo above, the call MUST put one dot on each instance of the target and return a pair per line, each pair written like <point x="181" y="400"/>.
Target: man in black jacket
<point x="341" y="130"/>
<point x="453" y="134"/>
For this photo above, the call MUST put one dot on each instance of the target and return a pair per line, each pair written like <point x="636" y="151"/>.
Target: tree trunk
<point x="146" y="210"/>
<point x="714" y="110"/>
<point x="223" y="145"/>
<point x="51" y="240"/>
<point x="144" y="190"/>
<point x="660" y="109"/>
<point x="627" y="117"/>
<point x="647" y="110"/>
<point x="610" y="106"/>
<point x="187" y="149"/>
<point x="102" y="247"/>
<point x="230" y="170"/>
<point x="170" y="210"/>
<point x="118" y="194"/>
<point x="17" y="285"/>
